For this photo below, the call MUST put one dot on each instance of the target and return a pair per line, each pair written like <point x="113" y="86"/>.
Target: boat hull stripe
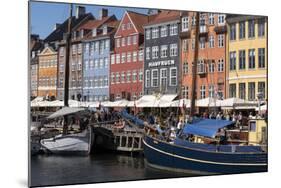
<point x="204" y="161"/>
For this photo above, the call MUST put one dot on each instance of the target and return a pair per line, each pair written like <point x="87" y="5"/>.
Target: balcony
<point x="220" y="29"/>
<point x="203" y="32"/>
<point x="185" y="34"/>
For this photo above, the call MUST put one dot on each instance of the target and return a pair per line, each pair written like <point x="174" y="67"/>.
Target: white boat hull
<point x="69" y="144"/>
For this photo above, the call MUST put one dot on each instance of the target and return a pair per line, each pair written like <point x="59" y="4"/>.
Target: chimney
<point x="103" y="13"/>
<point x="80" y="10"/>
<point x="56" y="26"/>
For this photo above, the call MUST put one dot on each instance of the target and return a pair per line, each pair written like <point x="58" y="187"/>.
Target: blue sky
<point x="44" y="15"/>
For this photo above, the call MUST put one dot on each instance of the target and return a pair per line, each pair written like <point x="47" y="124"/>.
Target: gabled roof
<point x="138" y="20"/>
<point x="112" y="26"/>
<point x="164" y="16"/>
<point x="57" y="35"/>
<point x="47" y="49"/>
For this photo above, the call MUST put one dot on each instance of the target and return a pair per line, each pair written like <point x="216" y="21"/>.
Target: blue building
<point x="97" y="47"/>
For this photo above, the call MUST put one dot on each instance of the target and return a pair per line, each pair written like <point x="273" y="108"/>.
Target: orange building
<point x="47" y="73"/>
<point x="211" y="54"/>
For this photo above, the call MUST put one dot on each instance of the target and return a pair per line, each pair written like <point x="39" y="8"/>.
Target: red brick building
<point x="211" y="54"/>
<point x="126" y="62"/>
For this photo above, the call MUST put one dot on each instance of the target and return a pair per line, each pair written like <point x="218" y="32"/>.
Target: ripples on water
<point x="99" y="167"/>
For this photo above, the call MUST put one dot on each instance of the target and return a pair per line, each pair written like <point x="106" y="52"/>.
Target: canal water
<point x="96" y="168"/>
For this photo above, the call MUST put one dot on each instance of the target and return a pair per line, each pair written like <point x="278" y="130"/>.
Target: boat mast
<point x="66" y="75"/>
<point x="67" y="54"/>
<point x="194" y="68"/>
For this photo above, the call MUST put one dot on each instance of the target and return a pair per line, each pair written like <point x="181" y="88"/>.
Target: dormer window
<point x="104" y="30"/>
<point x="94" y="32"/>
<point x="82" y="33"/>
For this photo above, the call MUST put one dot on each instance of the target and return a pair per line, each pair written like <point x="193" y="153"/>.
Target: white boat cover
<point x="65" y="111"/>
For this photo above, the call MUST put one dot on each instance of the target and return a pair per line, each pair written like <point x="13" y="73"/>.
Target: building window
<point x="193" y="44"/>
<point x="251" y="28"/>
<point x="154" y="78"/>
<point x="251" y="58"/>
<point x="106" y="62"/>
<point x="155" y="52"/>
<point x="141" y="55"/>
<point x="211" y="41"/>
<point x="112" y="78"/>
<point x="251" y="91"/>
<point x="135" y="55"/>
<point x="101" y="63"/>
<point x="261" y="27"/>
<point x="193" y="20"/>
<point x="147" y="34"/>
<point x="96" y="64"/>
<point x="147" y="78"/>
<point x="242" y="59"/>
<point x="202" y="43"/>
<point x="97" y="44"/>
<point x="147" y="53"/>
<point x="123" y="27"/>
<point x="123" y="58"/>
<point x="261" y="57"/>
<point x="261" y="90"/>
<point x="173" y="76"/>
<point x="242" y="30"/>
<point x="211" y="91"/>
<point x="164" y="51"/>
<point x="123" y="41"/>
<point x="232" y="61"/>
<point x="134" y="76"/>
<point x="129" y="57"/>
<point x="184" y="91"/>
<point x="211" y="67"/>
<point x="117" y="78"/>
<point x="202" y="91"/>
<point x="173" y="49"/>
<point x="233" y="31"/>
<point x="173" y="29"/>
<point x="221" y="19"/>
<point x="220" y="65"/>
<point x="242" y="90"/>
<point x="155" y="32"/>
<point x="122" y="77"/>
<point x="92" y="48"/>
<point x="129" y="25"/>
<point x="117" y="58"/>
<point x="164" y="31"/>
<point x="135" y="39"/>
<point x="128" y="76"/>
<point x="118" y="43"/>
<point x="201" y="66"/>
<point x="129" y="40"/>
<point x="232" y="90"/>
<point x="87" y="47"/>
<point x="221" y="40"/>
<point x="211" y="19"/>
<point x="140" y="75"/>
<point x="185" y="67"/>
<point x="163" y="79"/>
<point x="112" y="59"/>
<point x="184" y="22"/>
<point x="184" y="45"/>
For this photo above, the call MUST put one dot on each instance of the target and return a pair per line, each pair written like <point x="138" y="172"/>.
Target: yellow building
<point x="247" y="57"/>
<point x="257" y="132"/>
<point x="47" y="73"/>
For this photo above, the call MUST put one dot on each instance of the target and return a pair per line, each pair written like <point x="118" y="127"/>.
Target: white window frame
<point x="147" y="34"/>
<point x="129" y="57"/>
<point x="154" y="78"/>
<point x="129" y="40"/>
<point x="211" y="41"/>
<point x="135" y="56"/>
<point x="185" y="24"/>
<point x="163" y="77"/>
<point x="164" y="51"/>
<point x="147" y="78"/>
<point x="118" y="43"/>
<point x="221" y="19"/>
<point x="171" y="77"/>
<point x="147" y="53"/>
<point x="221" y="40"/>
<point x="173" y="49"/>
<point x="123" y="42"/>
<point x="141" y="55"/>
<point x="112" y="60"/>
<point x="173" y="29"/>
<point x="164" y="31"/>
<point x="117" y="58"/>
<point x="211" y="18"/>
<point x="155" y="32"/>
<point x="155" y="52"/>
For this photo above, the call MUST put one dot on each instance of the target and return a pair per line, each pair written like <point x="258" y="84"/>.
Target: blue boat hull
<point x="163" y="155"/>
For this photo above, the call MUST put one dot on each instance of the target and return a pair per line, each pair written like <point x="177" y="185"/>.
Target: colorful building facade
<point x="126" y="62"/>
<point x="97" y="45"/>
<point x="211" y="54"/>
<point x="47" y="73"/>
<point x="161" y="46"/>
<point x="247" y="57"/>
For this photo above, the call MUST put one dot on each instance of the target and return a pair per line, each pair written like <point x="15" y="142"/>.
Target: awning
<point x="205" y="127"/>
<point x="181" y="103"/>
<point x="156" y="100"/>
<point x="237" y="103"/>
<point x="166" y="100"/>
<point x="208" y="102"/>
<point x="65" y="111"/>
